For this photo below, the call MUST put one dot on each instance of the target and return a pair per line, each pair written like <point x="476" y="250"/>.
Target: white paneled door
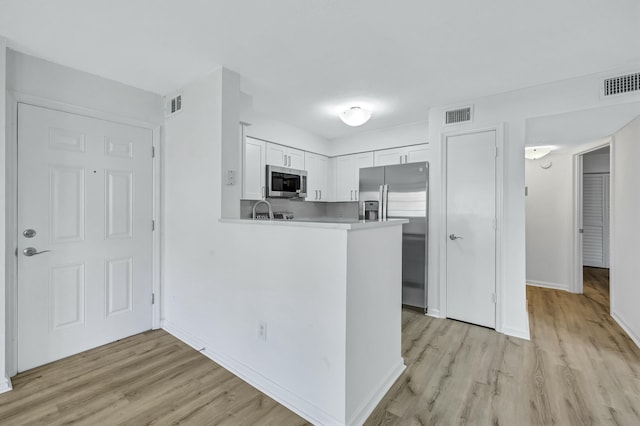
<point x="85" y="233"/>
<point x="471" y="227"/>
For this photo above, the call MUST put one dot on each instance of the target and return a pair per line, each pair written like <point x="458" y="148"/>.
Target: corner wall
<point x="625" y="234"/>
<point x="549" y="222"/>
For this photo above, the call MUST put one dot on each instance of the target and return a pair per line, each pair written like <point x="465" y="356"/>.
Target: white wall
<point x="270" y="130"/>
<point x="391" y="137"/>
<point x="512" y="109"/>
<point x="549" y="221"/>
<point x="44" y="83"/>
<point x="625" y="234"/>
<point x="5" y="249"/>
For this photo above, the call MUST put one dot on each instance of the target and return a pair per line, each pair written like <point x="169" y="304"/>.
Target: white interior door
<point x="471" y="227"/>
<point x="595" y="212"/>
<point x="85" y="192"/>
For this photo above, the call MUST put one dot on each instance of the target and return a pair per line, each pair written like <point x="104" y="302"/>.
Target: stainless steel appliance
<point x="402" y="191"/>
<point x="283" y="182"/>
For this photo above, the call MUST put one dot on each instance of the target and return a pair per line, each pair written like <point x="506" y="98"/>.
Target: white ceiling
<point x="303" y="59"/>
<point x="579" y="127"/>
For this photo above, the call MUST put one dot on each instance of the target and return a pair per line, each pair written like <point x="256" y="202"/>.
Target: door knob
<point x="31" y="251"/>
<point x="454" y="237"/>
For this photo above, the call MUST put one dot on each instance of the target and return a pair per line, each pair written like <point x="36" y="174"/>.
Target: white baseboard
<point x="517" y="332"/>
<point x="300" y="406"/>
<point x="375" y="396"/>
<point x="434" y="313"/>
<point x="544" y="284"/>
<point x="5" y="385"/>
<point x="626" y="329"/>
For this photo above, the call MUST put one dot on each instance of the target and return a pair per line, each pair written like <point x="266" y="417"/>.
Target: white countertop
<point x="328" y="223"/>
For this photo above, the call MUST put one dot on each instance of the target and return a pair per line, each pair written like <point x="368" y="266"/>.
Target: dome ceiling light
<point x="355" y="116"/>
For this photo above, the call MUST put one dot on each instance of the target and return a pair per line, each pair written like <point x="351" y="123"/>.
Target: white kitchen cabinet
<point x="253" y="182"/>
<point x="317" y="167"/>
<point x="402" y="155"/>
<point x="348" y="174"/>
<point x="279" y="155"/>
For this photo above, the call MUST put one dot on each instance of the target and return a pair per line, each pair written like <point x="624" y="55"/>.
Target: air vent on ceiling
<point x="174" y="105"/>
<point x="622" y="84"/>
<point x="458" y="115"/>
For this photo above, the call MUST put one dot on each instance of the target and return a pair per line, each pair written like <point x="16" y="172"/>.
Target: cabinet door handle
<point x="351" y="195"/>
<point x="406" y="158"/>
<point x="356" y="192"/>
<point x="320" y="190"/>
<point x="289" y="161"/>
<point x="316" y="194"/>
<point x="401" y="159"/>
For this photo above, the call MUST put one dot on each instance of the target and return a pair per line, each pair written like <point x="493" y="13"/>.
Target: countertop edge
<point x="325" y="225"/>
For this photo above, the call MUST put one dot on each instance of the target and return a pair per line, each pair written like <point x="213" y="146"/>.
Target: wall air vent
<point x="622" y="84"/>
<point x="458" y="116"/>
<point x="173" y="106"/>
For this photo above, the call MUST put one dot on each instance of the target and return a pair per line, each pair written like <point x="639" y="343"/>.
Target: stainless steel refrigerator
<point x="402" y="191"/>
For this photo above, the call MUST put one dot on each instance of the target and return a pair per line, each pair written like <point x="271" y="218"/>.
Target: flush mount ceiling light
<point x="355" y="116"/>
<point x="536" y="152"/>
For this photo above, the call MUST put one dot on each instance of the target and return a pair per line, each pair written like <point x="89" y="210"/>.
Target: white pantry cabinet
<point x="253" y="182"/>
<point x="402" y="155"/>
<point x="348" y="174"/>
<point x="317" y="167"/>
<point x="279" y="155"/>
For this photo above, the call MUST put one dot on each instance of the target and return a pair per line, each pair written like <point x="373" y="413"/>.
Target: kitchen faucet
<point x="268" y="205"/>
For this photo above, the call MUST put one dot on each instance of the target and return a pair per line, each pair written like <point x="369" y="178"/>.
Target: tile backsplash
<point x="303" y="209"/>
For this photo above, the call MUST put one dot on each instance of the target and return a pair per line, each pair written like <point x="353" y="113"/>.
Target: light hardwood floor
<point x="578" y="369"/>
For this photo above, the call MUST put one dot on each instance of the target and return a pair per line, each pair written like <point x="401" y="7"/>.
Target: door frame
<point x="13" y="99"/>
<point x="578" y="169"/>
<point x="500" y="235"/>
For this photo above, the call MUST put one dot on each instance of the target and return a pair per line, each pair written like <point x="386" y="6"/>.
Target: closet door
<point x="595" y="220"/>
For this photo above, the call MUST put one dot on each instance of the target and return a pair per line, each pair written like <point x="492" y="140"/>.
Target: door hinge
<point x="496" y="152"/>
<point x="16" y="251"/>
<point x="153" y="225"/>
<point x="153" y="152"/>
<point x="493" y="298"/>
<point x="153" y="298"/>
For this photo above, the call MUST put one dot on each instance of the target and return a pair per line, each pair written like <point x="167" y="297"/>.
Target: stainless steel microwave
<point x="283" y="182"/>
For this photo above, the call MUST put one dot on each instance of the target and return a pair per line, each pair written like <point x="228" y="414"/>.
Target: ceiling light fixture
<point x="355" y="116"/>
<point x="536" y="152"/>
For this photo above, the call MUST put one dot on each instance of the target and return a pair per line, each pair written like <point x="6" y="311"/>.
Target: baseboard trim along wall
<point x="5" y="385"/>
<point x="627" y="329"/>
<point x="300" y="406"/>
<point x="544" y="284"/>
<point x="435" y="313"/>
<point x="362" y="413"/>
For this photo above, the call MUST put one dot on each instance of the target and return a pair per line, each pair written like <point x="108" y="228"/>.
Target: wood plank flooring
<point x="579" y="368"/>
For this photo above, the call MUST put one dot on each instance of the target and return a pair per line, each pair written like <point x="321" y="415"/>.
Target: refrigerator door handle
<point x="385" y="201"/>
<point x="380" y="202"/>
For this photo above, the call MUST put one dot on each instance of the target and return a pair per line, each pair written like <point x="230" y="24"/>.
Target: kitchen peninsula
<point x="322" y="331"/>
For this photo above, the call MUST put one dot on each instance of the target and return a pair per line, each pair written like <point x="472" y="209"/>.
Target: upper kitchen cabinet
<point x="405" y="154"/>
<point x="348" y="174"/>
<point x="317" y="167"/>
<point x="283" y="156"/>
<point x="253" y="182"/>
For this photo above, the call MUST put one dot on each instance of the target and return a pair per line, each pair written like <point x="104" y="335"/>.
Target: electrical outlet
<point x="262" y="330"/>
